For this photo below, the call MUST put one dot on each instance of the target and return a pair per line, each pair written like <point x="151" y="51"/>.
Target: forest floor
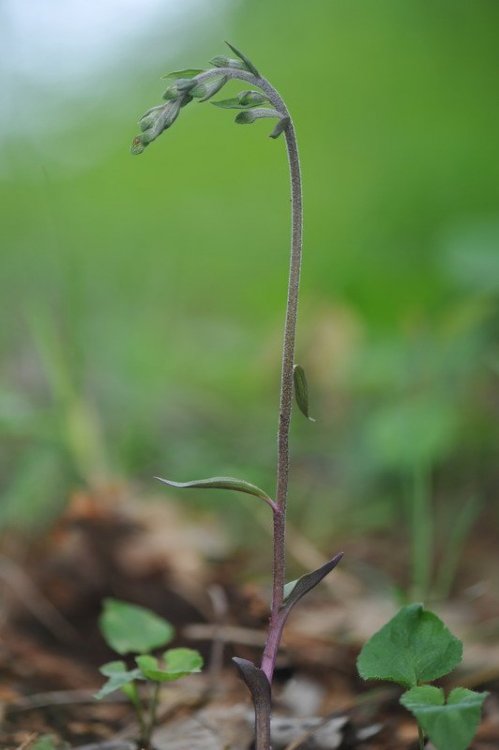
<point x="155" y="555"/>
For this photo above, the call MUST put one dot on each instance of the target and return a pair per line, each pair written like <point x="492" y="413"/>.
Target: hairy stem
<point x="277" y="617"/>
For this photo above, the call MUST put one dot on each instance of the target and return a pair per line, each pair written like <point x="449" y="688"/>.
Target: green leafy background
<point x="142" y="298"/>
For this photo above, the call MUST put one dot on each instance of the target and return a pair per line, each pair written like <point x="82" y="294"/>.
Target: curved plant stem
<point x="288" y="352"/>
<point x="277" y="615"/>
<point x="285" y="406"/>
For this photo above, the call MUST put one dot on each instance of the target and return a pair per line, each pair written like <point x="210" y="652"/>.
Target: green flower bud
<point x="137" y="146"/>
<point x="221" y="61"/>
<point x="252" y="98"/>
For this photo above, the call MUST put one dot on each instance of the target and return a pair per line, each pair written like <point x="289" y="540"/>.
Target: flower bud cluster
<point x="191" y="83"/>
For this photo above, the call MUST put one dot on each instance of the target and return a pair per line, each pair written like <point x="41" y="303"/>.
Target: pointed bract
<point x="295" y="590"/>
<point x="247" y="62"/>
<point x="299" y="377"/>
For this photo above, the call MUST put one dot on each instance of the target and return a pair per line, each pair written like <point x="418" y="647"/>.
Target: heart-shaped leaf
<point x="119" y="677"/>
<point x="129" y="628"/>
<point x="295" y="590"/>
<point x="413" y="647"/>
<point x="183" y="660"/>
<point x="450" y="725"/>
<point x="221" y="483"/>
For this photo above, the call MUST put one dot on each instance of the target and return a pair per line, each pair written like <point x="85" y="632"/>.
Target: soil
<point x="154" y="554"/>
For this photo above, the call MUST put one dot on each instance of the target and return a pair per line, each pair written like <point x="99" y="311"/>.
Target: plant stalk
<point x="153" y="708"/>
<point x="277" y="615"/>
<point x="288" y="353"/>
<point x="421" y="738"/>
<point x="285" y="407"/>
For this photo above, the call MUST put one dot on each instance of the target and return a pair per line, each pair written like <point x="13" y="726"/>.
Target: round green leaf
<point x="451" y="725"/>
<point x="413" y="647"/>
<point x="179" y="662"/>
<point x="129" y="628"/>
<point x="183" y="660"/>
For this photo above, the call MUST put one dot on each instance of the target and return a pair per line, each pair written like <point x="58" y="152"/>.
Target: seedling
<point x="413" y="649"/>
<point x="130" y="629"/>
<point x="259" y="101"/>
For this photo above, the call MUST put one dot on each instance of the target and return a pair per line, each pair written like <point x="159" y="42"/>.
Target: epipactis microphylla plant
<point x="413" y="649"/>
<point x="257" y="101"/>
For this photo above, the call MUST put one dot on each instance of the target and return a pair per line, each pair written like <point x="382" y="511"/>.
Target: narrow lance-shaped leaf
<point x="295" y="590"/>
<point x="450" y="725"/>
<point x="186" y="73"/>
<point x="221" y="483"/>
<point x="259" y="687"/>
<point x="301" y="389"/>
<point x="247" y="62"/>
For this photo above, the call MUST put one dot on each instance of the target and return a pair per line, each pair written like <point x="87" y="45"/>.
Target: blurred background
<point x="142" y="299"/>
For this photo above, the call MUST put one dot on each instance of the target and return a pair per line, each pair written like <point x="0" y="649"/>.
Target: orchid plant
<point x="259" y="100"/>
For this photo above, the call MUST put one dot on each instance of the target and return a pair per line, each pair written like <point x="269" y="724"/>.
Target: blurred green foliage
<point x="142" y="299"/>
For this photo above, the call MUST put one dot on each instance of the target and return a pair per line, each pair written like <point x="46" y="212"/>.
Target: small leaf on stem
<point x="301" y="386"/>
<point x="186" y="73"/>
<point x="295" y="590"/>
<point x="221" y="483"/>
<point x="118" y="676"/>
<point x="247" y="62"/>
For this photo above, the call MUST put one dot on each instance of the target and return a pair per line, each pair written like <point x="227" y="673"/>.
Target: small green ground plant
<point x="413" y="649"/>
<point x="130" y="629"/>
